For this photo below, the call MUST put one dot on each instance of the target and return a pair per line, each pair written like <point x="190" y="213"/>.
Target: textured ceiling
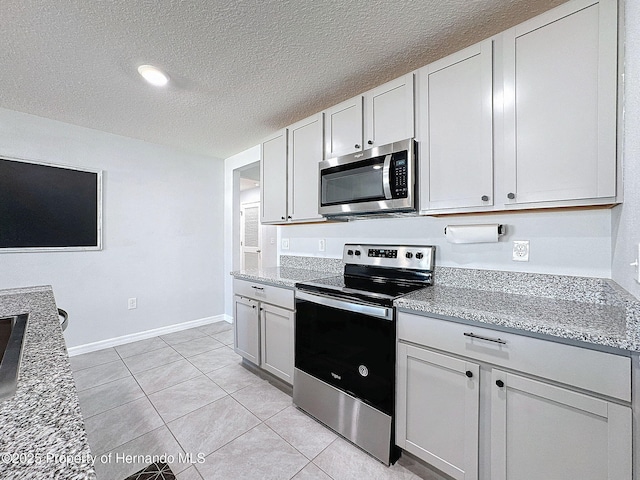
<point x="239" y="69"/>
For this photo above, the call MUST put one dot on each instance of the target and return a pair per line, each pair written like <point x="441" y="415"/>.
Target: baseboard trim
<point x="134" y="337"/>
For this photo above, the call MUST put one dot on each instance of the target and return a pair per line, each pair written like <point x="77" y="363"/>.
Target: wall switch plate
<point x="132" y="303"/>
<point x="322" y="245"/>
<point x="284" y="244"/>
<point x="521" y="250"/>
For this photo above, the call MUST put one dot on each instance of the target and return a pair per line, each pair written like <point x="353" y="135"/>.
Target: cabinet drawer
<point x="599" y="372"/>
<point x="281" y="297"/>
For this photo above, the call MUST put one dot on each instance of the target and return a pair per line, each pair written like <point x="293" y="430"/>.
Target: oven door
<point x="348" y="345"/>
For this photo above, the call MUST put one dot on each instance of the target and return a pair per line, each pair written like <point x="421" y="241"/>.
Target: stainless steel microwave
<point x="378" y="180"/>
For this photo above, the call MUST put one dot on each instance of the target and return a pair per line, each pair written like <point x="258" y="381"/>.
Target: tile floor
<point x="187" y="393"/>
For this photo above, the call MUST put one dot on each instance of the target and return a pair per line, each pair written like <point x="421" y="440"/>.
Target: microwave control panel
<point x="398" y="176"/>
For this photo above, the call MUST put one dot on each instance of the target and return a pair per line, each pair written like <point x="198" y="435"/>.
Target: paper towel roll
<point x="481" y="233"/>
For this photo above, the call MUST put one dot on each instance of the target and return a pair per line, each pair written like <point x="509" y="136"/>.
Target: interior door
<point x="250" y="236"/>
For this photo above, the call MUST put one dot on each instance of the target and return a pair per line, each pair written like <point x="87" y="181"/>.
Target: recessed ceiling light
<point x="153" y="75"/>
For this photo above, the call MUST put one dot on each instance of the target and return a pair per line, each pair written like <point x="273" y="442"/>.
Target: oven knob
<point x="349" y="252"/>
<point x="408" y="255"/>
<point x="419" y="255"/>
<point x="357" y="252"/>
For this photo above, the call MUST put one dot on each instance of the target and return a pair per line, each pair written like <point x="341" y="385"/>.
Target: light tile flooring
<point x="187" y="393"/>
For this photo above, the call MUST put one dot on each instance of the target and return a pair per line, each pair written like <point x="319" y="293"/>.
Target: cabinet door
<point x="437" y="410"/>
<point x="305" y="152"/>
<point x="273" y="178"/>
<point x="543" y="431"/>
<point x="277" y="341"/>
<point x="343" y="128"/>
<point x="389" y="112"/>
<point x="560" y="104"/>
<point x="456" y="122"/>
<point x="247" y="324"/>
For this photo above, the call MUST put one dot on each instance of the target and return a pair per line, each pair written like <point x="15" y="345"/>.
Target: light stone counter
<point x="595" y="311"/>
<point x="280" y="276"/>
<point x="42" y="432"/>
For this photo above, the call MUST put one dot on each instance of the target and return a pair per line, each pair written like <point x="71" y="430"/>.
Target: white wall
<point x="565" y="243"/>
<point x="162" y="211"/>
<point x="626" y="217"/>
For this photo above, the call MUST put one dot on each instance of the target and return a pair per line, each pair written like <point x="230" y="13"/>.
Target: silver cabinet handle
<point x="488" y="339"/>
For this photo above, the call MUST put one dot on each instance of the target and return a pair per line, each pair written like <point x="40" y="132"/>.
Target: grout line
<point x="143" y="352"/>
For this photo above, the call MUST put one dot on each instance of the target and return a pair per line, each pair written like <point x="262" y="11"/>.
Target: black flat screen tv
<point x="47" y="207"/>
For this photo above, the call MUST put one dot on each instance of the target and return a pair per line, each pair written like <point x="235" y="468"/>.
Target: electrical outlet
<point x="521" y="250"/>
<point x="133" y="303"/>
<point x="322" y="244"/>
<point x="284" y="244"/>
<point x="635" y="264"/>
<point x="272" y="241"/>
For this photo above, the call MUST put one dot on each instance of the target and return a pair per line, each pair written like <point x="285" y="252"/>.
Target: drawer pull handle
<point x="257" y="288"/>
<point x="469" y="373"/>
<point x="500" y="383"/>
<point x="488" y="339"/>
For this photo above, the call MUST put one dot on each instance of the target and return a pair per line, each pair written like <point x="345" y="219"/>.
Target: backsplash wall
<point x="562" y="242"/>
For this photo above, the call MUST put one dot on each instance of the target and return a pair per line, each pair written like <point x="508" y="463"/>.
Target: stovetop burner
<point x="378" y="273"/>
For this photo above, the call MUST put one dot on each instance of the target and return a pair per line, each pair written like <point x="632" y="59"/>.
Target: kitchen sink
<point x="12" y="331"/>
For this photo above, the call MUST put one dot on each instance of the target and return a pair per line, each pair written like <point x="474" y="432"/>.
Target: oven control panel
<point x="382" y="253"/>
<point x="420" y="257"/>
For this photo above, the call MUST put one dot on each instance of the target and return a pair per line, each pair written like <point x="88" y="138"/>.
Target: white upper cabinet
<point x="388" y="112"/>
<point x="387" y="116"/>
<point x="560" y="105"/>
<point x="455" y="130"/>
<point x="289" y="173"/>
<point x="343" y="128"/>
<point x="305" y="152"/>
<point x="273" y="178"/>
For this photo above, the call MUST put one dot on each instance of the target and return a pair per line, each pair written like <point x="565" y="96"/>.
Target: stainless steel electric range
<point x="345" y="342"/>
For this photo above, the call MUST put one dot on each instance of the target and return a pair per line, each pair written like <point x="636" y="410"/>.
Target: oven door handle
<point x="372" y="310"/>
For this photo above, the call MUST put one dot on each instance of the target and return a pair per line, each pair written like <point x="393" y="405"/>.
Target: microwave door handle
<point x="386" y="177"/>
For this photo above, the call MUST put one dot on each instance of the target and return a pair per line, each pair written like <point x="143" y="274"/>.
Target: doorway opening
<point x="256" y="242"/>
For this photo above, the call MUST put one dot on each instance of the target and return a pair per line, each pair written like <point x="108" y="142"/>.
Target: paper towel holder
<point x="501" y="229"/>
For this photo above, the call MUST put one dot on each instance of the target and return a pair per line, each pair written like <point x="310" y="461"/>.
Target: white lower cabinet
<point x="247" y="328"/>
<point x="276" y="325"/>
<point x="263" y="319"/>
<point x="463" y="406"/>
<point x="438" y="406"/>
<point x="542" y="431"/>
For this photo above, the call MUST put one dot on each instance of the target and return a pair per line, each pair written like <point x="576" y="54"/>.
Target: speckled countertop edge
<point x="594" y="324"/>
<point x="542" y="304"/>
<point x="43" y="434"/>
<point x="280" y="276"/>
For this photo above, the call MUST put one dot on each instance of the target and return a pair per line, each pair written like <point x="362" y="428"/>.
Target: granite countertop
<point x="594" y="311"/>
<point x="43" y="433"/>
<point x="611" y="319"/>
<point x="280" y="276"/>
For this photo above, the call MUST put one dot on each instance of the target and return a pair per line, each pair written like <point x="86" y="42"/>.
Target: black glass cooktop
<point x="378" y="290"/>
